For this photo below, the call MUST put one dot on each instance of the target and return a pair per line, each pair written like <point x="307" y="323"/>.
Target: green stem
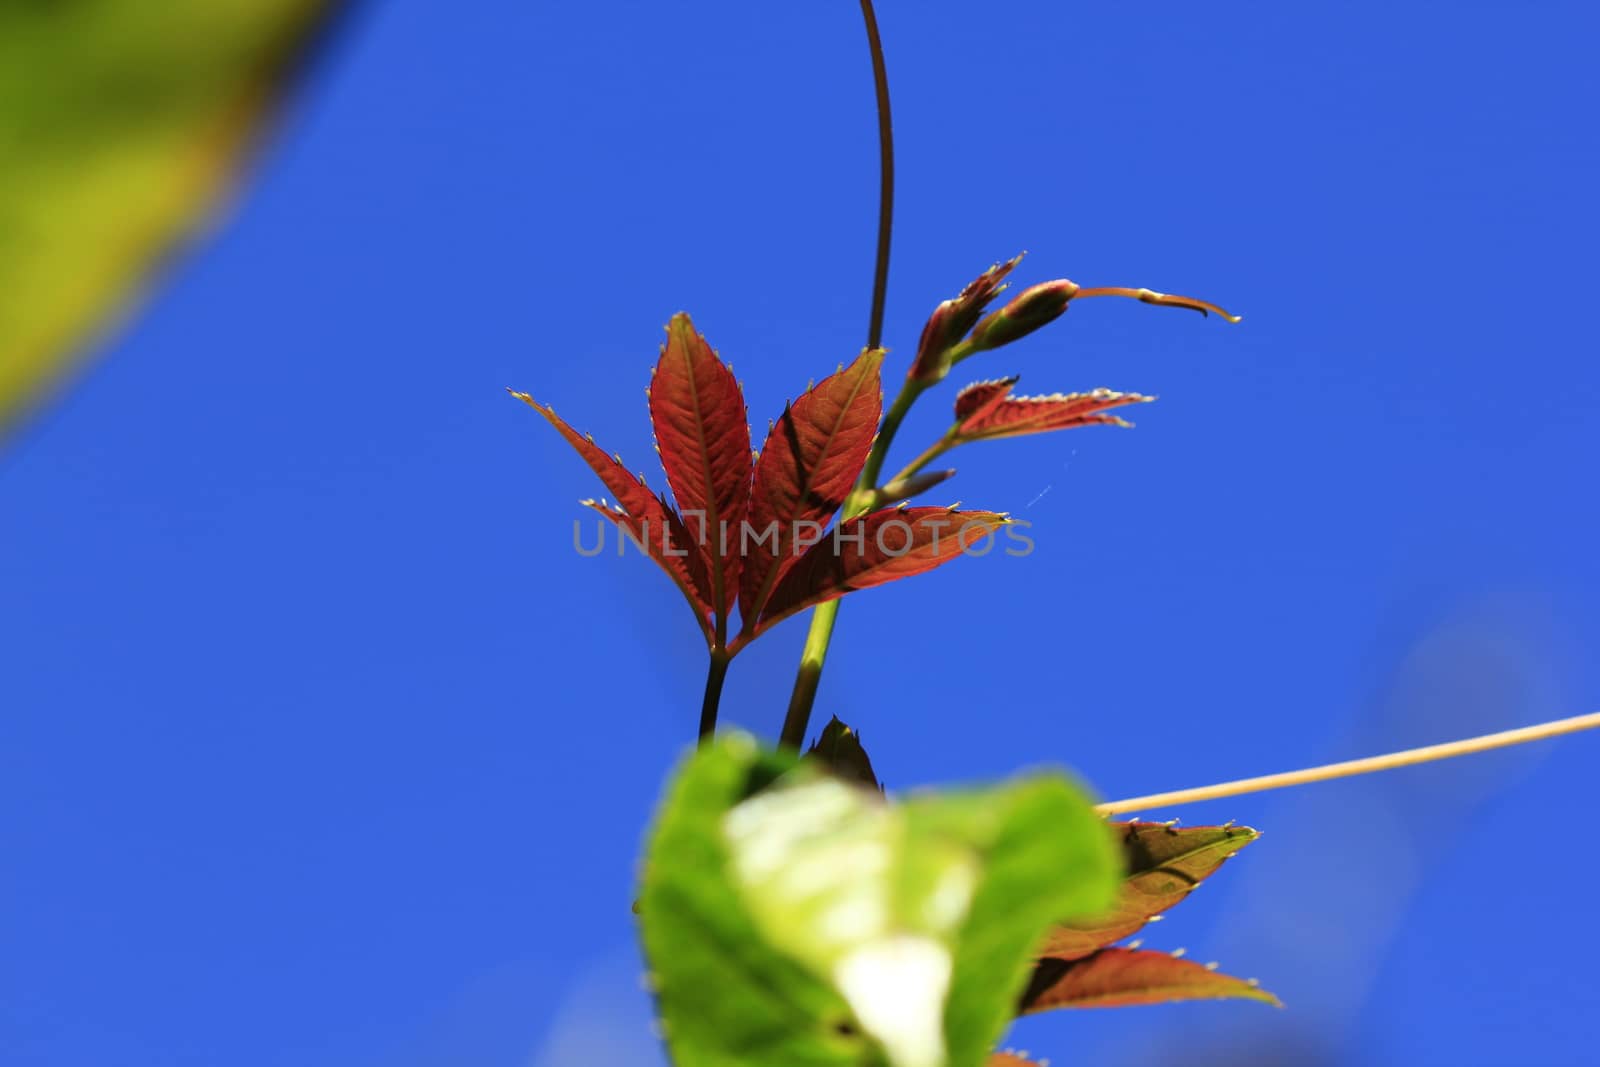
<point x="880" y="447"/>
<point x="929" y="454"/>
<point x="818" y="637"/>
<point x="809" y="675"/>
<point x="716" y="674"/>
<point x="815" y="652"/>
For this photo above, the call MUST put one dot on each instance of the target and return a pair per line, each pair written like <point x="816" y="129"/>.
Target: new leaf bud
<point x="1036" y="306"/>
<point x="952" y="319"/>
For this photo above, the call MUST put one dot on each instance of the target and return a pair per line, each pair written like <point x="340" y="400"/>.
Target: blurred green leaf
<point x="1047" y="858"/>
<point x="121" y="122"/>
<point x="724" y="994"/>
<point x="814" y="922"/>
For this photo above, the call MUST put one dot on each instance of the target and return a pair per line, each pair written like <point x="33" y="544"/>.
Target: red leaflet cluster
<point x="959" y="329"/>
<point x="749" y="529"/>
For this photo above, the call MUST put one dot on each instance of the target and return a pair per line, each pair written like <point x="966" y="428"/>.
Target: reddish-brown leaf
<point x="985" y="410"/>
<point x="1011" y="1059"/>
<point x="1119" y="977"/>
<point x="874" y="549"/>
<point x="703" y="435"/>
<point x="806" y="468"/>
<point x="980" y="398"/>
<point x="952" y="320"/>
<point x="644" y="516"/>
<point x="1163" y="863"/>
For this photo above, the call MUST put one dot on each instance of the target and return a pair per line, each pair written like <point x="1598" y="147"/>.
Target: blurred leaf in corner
<point x="121" y="124"/>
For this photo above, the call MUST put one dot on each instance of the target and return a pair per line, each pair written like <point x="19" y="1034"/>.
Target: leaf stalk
<point x="716" y="674"/>
<point x="951" y="438"/>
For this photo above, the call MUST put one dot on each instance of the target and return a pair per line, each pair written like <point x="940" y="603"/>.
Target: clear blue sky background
<point x="321" y="747"/>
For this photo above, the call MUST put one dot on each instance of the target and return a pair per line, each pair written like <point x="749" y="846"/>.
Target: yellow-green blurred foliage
<point x="120" y="124"/>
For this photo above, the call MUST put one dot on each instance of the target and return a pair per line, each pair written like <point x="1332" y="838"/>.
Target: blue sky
<point x="321" y="746"/>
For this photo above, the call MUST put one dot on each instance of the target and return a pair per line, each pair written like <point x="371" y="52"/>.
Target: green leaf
<point x="815" y="922"/>
<point x="726" y="997"/>
<point x="120" y="123"/>
<point x="1047" y="858"/>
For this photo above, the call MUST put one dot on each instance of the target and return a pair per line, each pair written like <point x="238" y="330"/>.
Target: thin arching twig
<point x="1348" y="768"/>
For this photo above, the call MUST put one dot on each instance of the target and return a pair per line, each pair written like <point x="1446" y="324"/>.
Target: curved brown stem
<point x="880" y="82"/>
<point x="821" y="632"/>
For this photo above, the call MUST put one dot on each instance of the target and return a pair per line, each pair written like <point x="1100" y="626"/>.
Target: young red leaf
<point x="698" y="413"/>
<point x="1010" y="1059"/>
<point x="1119" y="977"/>
<point x="1163" y="863"/>
<point x="985" y="410"/>
<point x="980" y="398"/>
<point x="644" y="516"/>
<point x="806" y="468"/>
<point x="952" y="320"/>
<point x="874" y="549"/>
